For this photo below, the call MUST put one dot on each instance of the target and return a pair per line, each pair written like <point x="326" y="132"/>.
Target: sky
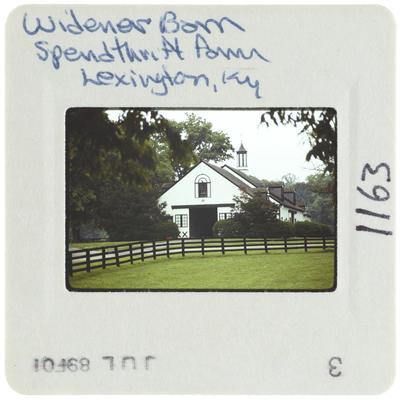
<point x="272" y="151"/>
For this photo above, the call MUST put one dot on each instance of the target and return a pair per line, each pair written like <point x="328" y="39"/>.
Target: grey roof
<point x="275" y="192"/>
<point x="291" y="196"/>
<point x="236" y="181"/>
<point x="241" y="149"/>
<point x="251" y="179"/>
<point x="232" y="178"/>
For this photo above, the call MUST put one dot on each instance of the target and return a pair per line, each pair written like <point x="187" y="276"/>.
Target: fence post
<point x="245" y="250"/>
<point x="324" y="242"/>
<point x="103" y="258"/>
<point x="154" y="253"/>
<point x="202" y="246"/>
<point x="131" y="253"/>
<point x="88" y="261"/>
<point x="183" y="247"/>
<point x="117" y="256"/>
<point x="265" y="244"/>
<point x="222" y="245"/>
<point x="167" y="248"/>
<point x="142" y="251"/>
<point x="305" y="244"/>
<point x="285" y="244"/>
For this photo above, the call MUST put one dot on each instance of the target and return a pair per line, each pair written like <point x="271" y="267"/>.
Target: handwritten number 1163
<point x="378" y="193"/>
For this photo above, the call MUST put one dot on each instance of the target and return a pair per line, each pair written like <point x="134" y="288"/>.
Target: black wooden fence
<point x="132" y="252"/>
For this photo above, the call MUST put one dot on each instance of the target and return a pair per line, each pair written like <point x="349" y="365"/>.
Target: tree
<point x="318" y="124"/>
<point x="317" y="195"/>
<point x="289" y="181"/>
<point x="254" y="215"/>
<point x="267" y="182"/>
<point x="89" y="136"/>
<point x="128" y="212"/>
<point x="322" y="204"/>
<point x="100" y="150"/>
<point x="206" y="143"/>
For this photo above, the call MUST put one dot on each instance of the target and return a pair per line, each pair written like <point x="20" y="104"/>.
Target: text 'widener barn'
<point x="206" y="194"/>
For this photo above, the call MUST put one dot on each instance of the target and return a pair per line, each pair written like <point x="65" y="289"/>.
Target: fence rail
<point x="132" y="252"/>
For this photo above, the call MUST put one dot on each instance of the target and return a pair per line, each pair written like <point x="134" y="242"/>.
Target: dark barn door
<point x="202" y="220"/>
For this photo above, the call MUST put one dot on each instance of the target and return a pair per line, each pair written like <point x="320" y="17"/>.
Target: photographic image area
<point x="201" y="199"/>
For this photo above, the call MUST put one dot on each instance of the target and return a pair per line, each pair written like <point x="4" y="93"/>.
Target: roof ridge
<point x="251" y="179"/>
<point x="232" y="178"/>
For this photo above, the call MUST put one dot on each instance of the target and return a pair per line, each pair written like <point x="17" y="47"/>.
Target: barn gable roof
<point x="232" y="178"/>
<point x="226" y="174"/>
<point x="251" y="179"/>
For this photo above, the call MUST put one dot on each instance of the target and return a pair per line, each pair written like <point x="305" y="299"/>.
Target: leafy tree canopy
<point x="128" y="212"/>
<point x="206" y="144"/>
<point x="100" y="150"/>
<point x="252" y="214"/>
<point x="317" y="193"/>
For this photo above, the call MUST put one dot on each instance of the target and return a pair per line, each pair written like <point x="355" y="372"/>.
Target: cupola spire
<point x="242" y="157"/>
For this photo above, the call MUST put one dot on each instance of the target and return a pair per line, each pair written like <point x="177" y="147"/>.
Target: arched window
<point x="202" y="186"/>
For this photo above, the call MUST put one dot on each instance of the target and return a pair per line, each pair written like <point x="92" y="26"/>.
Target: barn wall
<point x="222" y="191"/>
<point x="184" y="231"/>
<point x="284" y="216"/>
<point x="183" y="192"/>
<point x="299" y="217"/>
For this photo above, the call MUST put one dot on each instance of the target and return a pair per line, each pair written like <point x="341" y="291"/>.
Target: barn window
<point x="181" y="220"/>
<point x="202" y="186"/>
<point x="225" y="216"/>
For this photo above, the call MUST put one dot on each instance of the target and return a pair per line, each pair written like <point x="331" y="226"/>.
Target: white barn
<point x="206" y="194"/>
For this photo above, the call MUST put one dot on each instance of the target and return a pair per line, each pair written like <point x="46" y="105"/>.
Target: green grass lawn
<point x="276" y="271"/>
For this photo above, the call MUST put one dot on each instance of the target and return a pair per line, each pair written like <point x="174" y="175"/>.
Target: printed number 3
<point x="334" y="366"/>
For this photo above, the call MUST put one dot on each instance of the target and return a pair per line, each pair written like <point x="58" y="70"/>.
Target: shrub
<point x="166" y="230"/>
<point x="280" y="228"/>
<point x="308" y="228"/>
<point x="232" y="228"/>
<point x="226" y="228"/>
<point x="270" y="229"/>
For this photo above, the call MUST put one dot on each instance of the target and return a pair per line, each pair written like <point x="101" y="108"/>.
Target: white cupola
<point x="242" y="158"/>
